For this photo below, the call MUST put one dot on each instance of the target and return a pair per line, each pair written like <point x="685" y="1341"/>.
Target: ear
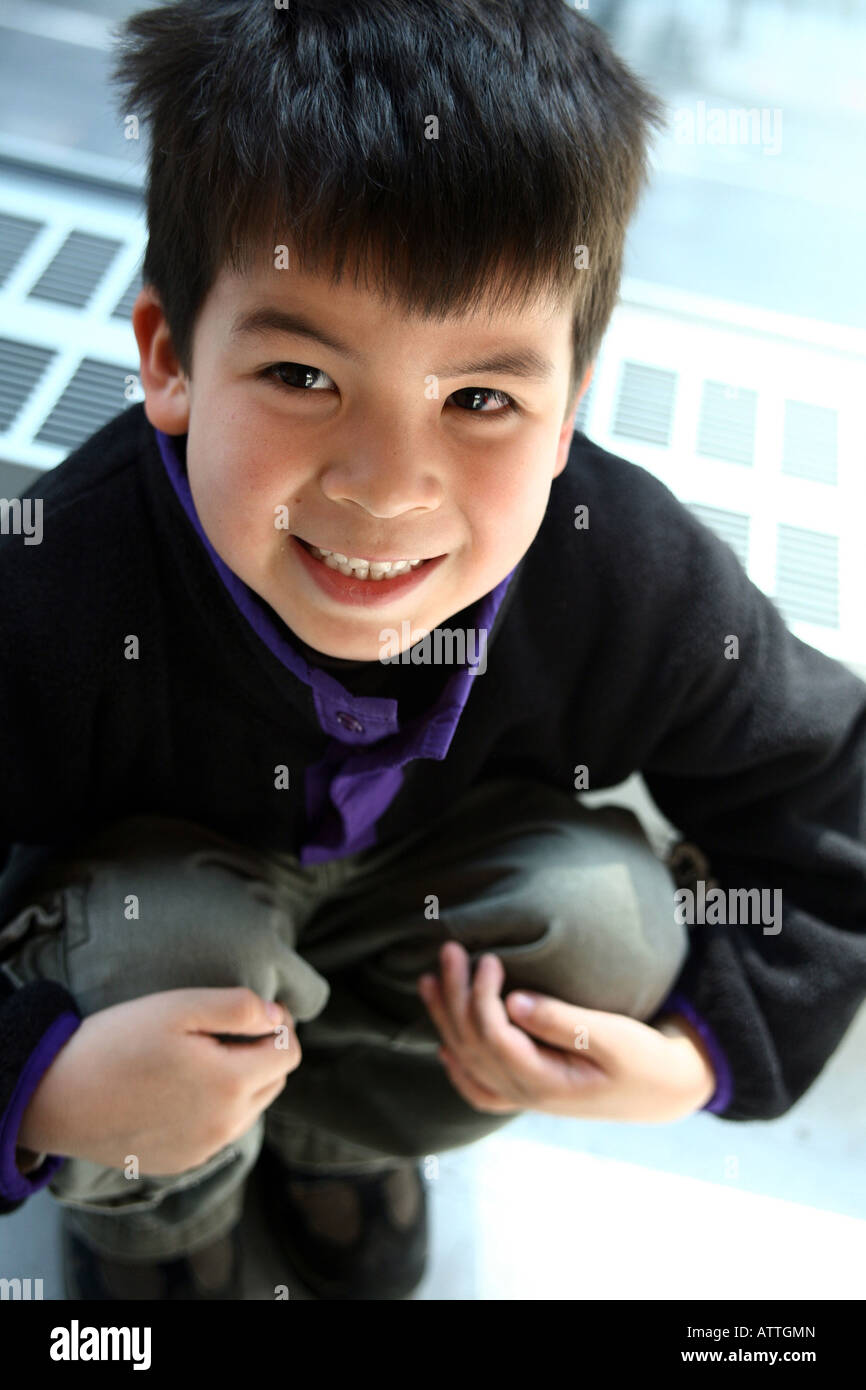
<point x="166" y="388"/>
<point x="567" y="431"/>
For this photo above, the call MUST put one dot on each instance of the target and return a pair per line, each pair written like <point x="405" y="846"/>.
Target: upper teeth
<point x="364" y="569"/>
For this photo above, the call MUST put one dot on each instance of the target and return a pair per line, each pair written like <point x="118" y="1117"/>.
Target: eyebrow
<point x="261" y="322"/>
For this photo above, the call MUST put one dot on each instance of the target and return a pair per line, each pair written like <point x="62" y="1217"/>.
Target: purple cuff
<point x="721" y="1097"/>
<point x="15" y="1185"/>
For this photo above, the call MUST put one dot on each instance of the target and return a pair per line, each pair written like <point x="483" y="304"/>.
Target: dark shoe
<point x="211" y="1273"/>
<point x="348" y="1235"/>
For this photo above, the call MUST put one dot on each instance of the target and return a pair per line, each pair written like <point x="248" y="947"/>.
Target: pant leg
<point x="573" y="901"/>
<point x="152" y="904"/>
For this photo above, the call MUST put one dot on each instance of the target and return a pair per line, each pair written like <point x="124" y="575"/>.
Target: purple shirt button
<point x="349" y="721"/>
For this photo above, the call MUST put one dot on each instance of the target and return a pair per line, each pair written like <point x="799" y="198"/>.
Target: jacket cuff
<point x="723" y="1094"/>
<point x="15" y="1186"/>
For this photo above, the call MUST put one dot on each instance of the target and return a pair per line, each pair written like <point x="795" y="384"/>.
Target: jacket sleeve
<point x="47" y="704"/>
<point x="36" y="1020"/>
<point x="762" y="766"/>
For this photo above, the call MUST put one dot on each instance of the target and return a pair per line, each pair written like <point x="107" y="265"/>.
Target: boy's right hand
<point x="149" y="1078"/>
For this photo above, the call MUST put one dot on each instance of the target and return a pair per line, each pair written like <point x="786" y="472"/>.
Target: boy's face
<point x="363" y="457"/>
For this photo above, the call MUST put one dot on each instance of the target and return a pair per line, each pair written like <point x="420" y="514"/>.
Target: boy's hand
<point x="150" y="1078"/>
<point x="587" y="1063"/>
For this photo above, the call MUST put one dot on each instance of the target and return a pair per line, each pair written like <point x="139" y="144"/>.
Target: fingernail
<point x="522" y="1003"/>
<point x="274" y="1012"/>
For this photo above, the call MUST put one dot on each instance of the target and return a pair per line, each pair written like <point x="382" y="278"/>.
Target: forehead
<point x="277" y="292"/>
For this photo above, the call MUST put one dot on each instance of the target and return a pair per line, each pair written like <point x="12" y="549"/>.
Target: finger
<point x="487" y="1014"/>
<point x="455" y="988"/>
<point x="435" y="1003"/>
<point x="500" y="1054"/>
<point x="603" y="1038"/>
<point x="270" y="1057"/>
<point x="266" y="1094"/>
<point x="477" y="1095"/>
<point x="475" y="1060"/>
<point x="514" y="1057"/>
<point x="485" y="1022"/>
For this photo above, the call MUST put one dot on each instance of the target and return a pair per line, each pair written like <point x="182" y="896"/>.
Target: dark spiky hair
<point x="309" y="124"/>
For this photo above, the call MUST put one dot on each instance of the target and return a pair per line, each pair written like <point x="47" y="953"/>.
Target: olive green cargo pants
<point x="573" y="901"/>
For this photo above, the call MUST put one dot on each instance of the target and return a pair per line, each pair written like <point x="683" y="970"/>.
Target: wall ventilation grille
<point x="726" y="429"/>
<point x="807" y="569"/>
<point x="810" y="447"/>
<point x="645" y="404"/>
<point x="21" y="367"/>
<point x="16" y="235"/>
<point x="74" y="273"/>
<point x="123" y="308"/>
<point x="89" y="401"/>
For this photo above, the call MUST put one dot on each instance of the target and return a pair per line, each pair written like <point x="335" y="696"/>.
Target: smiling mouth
<point x="354" y="566"/>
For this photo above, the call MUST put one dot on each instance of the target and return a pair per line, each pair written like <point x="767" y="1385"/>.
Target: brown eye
<point x="476" y="397"/>
<point x="304" y="375"/>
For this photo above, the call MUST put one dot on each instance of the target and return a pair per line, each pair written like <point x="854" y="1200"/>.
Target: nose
<point x="385" y="477"/>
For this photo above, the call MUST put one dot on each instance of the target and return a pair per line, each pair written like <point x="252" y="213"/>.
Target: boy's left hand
<point x="597" y="1065"/>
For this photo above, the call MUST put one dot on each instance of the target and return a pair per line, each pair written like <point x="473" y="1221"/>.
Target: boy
<point x="221" y="792"/>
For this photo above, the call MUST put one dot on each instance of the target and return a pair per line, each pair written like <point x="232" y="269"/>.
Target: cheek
<point x="504" y="517"/>
<point x="240" y="488"/>
<point x="512" y="493"/>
